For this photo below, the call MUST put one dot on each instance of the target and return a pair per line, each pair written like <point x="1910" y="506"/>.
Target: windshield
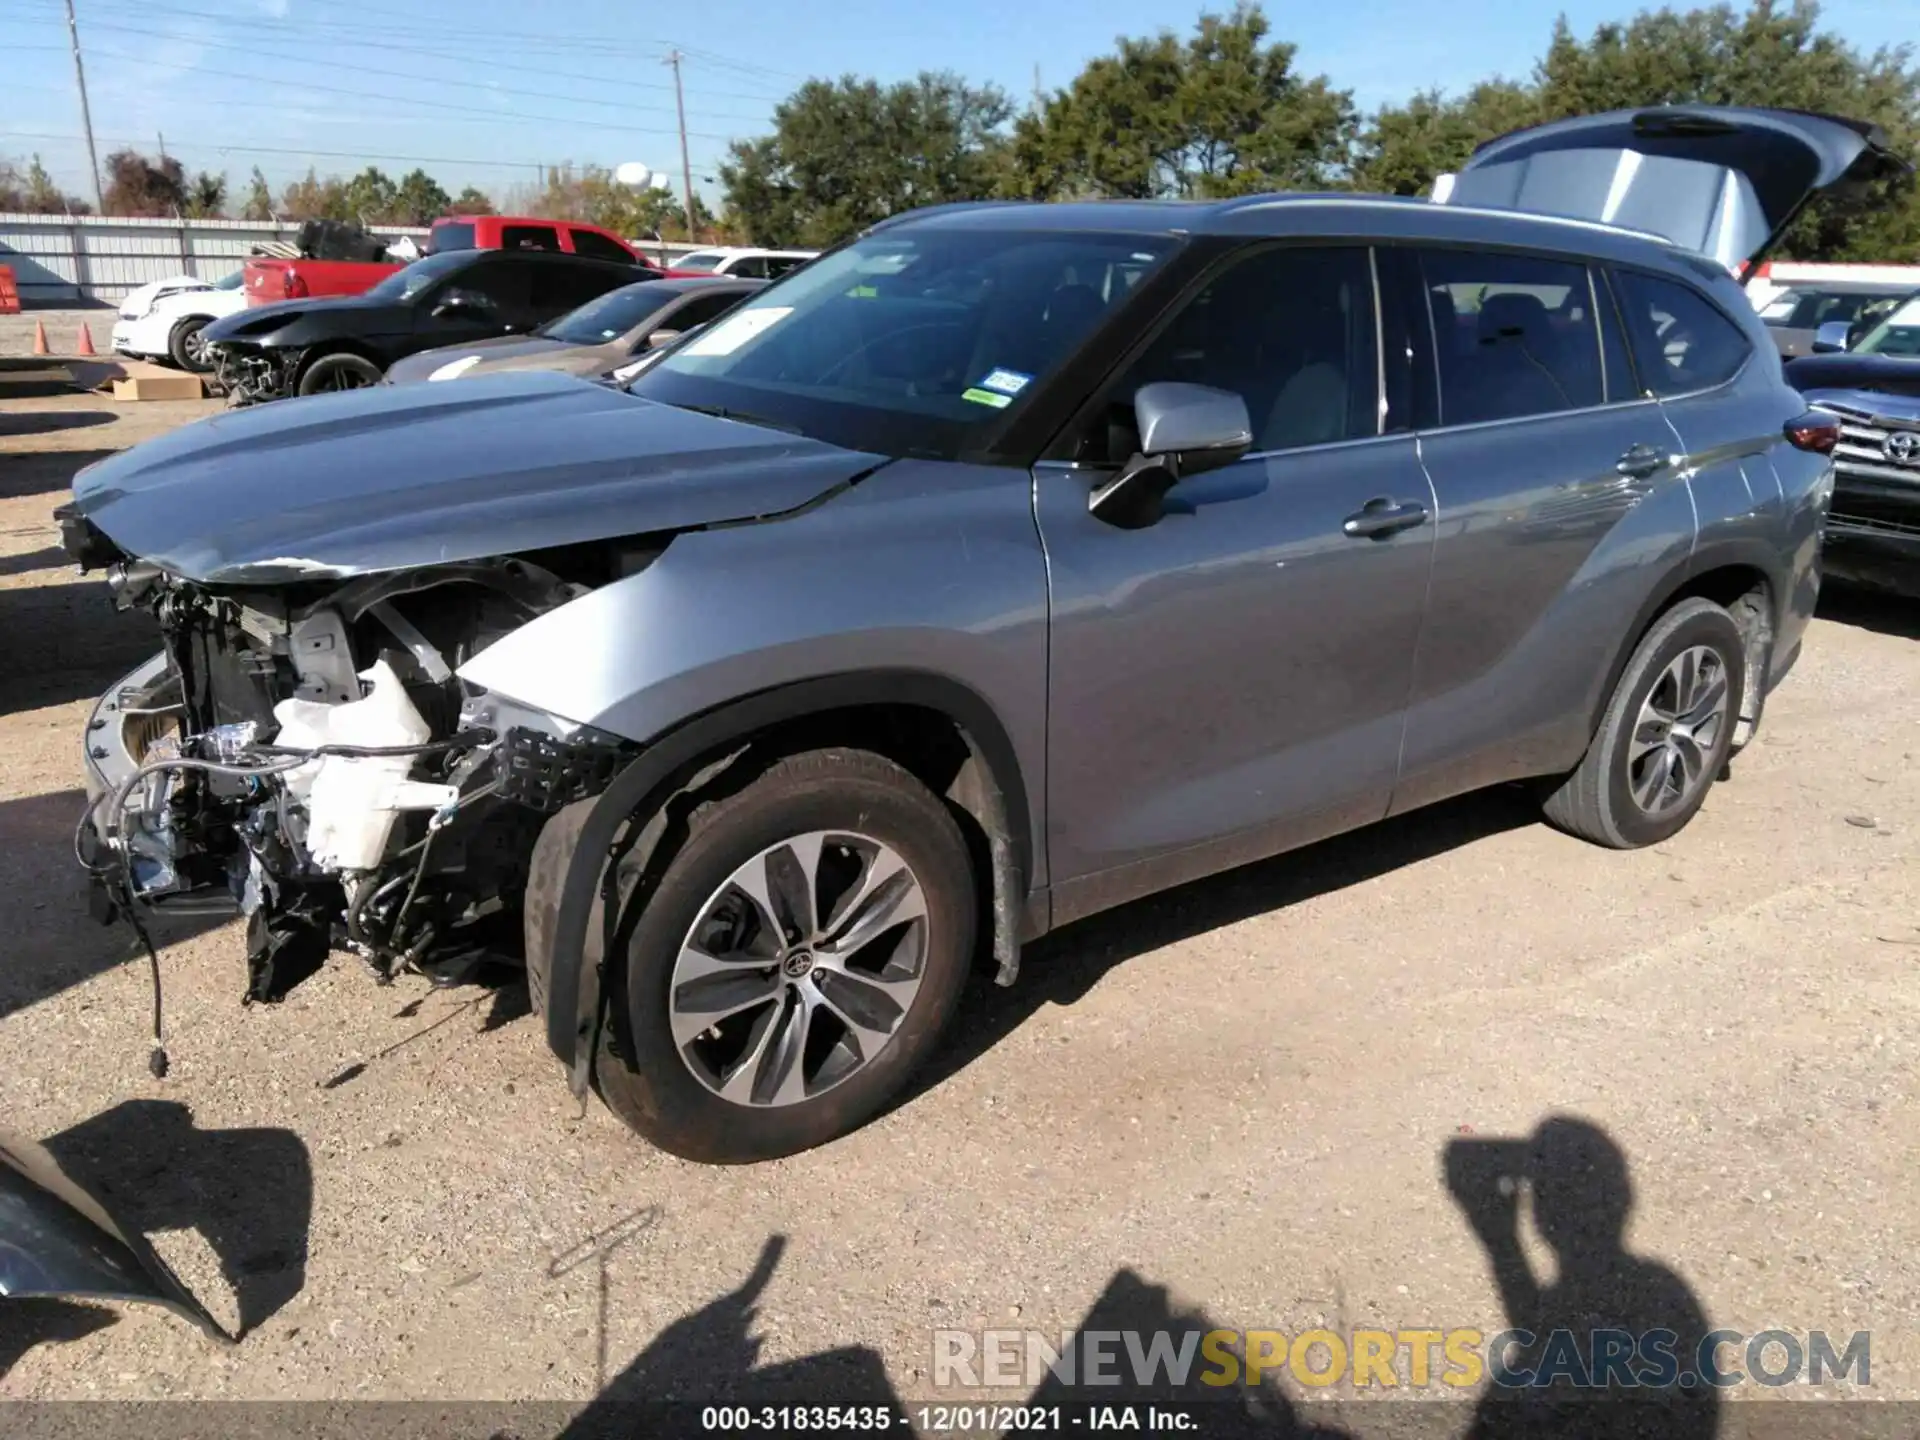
<point x="908" y="342"/>
<point x="700" y="260"/>
<point x="410" y="280"/>
<point x="1898" y="334"/>
<point x="231" y="282"/>
<point x="611" y="316"/>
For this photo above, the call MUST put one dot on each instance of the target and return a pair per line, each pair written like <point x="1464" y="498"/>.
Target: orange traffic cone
<point x="40" y="338"/>
<point x="86" y="342"/>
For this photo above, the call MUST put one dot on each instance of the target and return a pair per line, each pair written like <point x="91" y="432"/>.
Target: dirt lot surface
<point x="1230" y="1101"/>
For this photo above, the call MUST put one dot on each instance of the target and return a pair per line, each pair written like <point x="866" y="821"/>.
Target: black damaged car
<point x="308" y="347"/>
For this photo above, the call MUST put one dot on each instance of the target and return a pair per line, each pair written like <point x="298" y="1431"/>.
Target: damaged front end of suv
<point x="306" y="753"/>
<point x="305" y="750"/>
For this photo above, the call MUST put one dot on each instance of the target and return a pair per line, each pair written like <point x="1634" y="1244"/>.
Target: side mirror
<point x="1184" y="430"/>
<point x="1832" y="337"/>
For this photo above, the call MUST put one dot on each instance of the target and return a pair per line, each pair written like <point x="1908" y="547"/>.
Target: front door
<point x="1231" y="680"/>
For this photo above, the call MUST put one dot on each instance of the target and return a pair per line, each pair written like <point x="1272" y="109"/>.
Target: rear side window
<point x="778" y="265"/>
<point x="529" y="237"/>
<point x="598" y="247"/>
<point x="558" y="288"/>
<point x="1681" y="339"/>
<point x="1513" y="335"/>
<point x="703" y="310"/>
<point x="449" y="237"/>
<point x="749" y="267"/>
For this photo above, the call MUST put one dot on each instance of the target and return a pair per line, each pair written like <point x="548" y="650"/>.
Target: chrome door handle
<point x="1640" y="462"/>
<point x="1378" y="519"/>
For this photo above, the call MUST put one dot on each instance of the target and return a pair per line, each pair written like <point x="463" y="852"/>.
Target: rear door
<point x="1540" y="447"/>
<point x="1715" y="179"/>
<point x="1232" y="679"/>
<point x="561" y="286"/>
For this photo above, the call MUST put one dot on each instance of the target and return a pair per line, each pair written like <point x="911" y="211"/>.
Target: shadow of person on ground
<point x="27" y="1323"/>
<point x="52" y="942"/>
<point x="1574" y="1180"/>
<point x="249" y="1193"/>
<point x="711" y="1357"/>
<point x="1130" y="1305"/>
<point x="1062" y="968"/>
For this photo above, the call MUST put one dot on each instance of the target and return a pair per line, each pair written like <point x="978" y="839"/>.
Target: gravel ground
<point x="1232" y="1100"/>
<point x="63" y="330"/>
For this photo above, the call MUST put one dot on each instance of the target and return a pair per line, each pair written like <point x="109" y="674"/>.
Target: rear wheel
<point x="188" y="346"/>
<point x="1666" y="734"/>
<point x="799" y="958"/>
<point x="339" y="372"/>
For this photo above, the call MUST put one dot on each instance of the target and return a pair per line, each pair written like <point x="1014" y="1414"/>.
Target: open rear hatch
<point x="1722" y="181"/>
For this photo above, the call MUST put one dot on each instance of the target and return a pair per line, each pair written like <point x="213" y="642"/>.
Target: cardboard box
<point x="151" y="382"/>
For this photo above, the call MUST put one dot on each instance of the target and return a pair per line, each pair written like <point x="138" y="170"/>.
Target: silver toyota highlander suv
<point x="1006" y="564"/>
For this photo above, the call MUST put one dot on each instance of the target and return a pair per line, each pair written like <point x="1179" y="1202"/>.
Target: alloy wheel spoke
<point x="888" y="895"/>
<point x="701" y="1003"/>
<point x="1692" y="760"/>
<point x="739" y="1083"/>
<point x="1650" y="789"/>
<point x="1649" y="735"/>
<point x="1706" y="704"/>
<point x="871" y="1007"/>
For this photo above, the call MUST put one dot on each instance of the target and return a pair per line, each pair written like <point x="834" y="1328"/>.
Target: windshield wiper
<point x="721" y="412"/>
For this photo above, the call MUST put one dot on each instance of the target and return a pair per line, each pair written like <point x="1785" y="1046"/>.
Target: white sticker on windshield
<point x="736" y="330"/>
<point x="1007" y="382"/>
<point x="457" y="368"/>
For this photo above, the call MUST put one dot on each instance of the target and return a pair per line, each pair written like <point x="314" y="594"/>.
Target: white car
<point x="743" y="261"/>
<point x="167" y="326"/>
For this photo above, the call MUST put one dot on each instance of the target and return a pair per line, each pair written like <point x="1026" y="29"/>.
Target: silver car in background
<point x="1009" y="563"/>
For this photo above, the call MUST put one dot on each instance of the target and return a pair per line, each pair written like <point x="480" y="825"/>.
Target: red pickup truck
<point x="270" y="280"/>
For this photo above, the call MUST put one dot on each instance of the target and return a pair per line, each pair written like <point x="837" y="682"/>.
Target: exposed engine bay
<point x="251" y="375"/>
<point x="307" y="754"/>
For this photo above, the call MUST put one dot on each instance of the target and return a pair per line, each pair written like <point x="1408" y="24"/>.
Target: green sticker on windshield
<point x="986" y="397"/>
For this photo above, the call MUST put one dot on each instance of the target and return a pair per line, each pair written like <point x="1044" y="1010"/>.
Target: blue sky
<point x="483" y="91"/>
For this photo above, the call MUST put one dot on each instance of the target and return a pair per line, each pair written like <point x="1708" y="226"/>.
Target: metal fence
<point x="81" y="259"/>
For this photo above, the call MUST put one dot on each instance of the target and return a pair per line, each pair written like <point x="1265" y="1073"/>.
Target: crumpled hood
<point x="389" y="478"/>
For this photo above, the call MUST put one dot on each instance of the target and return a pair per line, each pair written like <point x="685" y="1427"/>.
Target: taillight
<point x="296" y="285"/>
<point x="1814" y="431"/>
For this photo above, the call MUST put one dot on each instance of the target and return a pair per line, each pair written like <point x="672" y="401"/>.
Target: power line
<point x="354" y="40"/>
<point x="493" y="116"/>
<point x="408" y="74"/>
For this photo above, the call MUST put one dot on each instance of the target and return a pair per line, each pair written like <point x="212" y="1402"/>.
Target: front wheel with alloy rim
<point x="1666" y="734"/>
<point x="339" y="372"/>
<point x="800" y="956"/>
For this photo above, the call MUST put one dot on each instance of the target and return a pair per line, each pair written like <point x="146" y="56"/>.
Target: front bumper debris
<point x="57" y="1240"/>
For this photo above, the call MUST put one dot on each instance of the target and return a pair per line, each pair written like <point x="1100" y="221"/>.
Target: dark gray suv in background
<point x="1007" y="564"/>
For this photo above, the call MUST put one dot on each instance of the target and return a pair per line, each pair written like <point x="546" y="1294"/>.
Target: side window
<point x="700" y="311"/>
<point x="1513" y="335"/>
<point x="1621" y="382"/>
<point x="558" y="288"/>
<point x="1290" y="330"/>
<point x="598" y="247"/>
<point x="749" y="267"/>
<point x="778" y="265"/>
<point x="1680" y="338"/>
<point x="504" y="286"/>
<point x="529" y="237"/>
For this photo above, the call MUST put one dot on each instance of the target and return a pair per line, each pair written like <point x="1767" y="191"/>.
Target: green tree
<point x="259" y="204"/>
<point x="1403" y="147"/>
<point x="471" y="201"/>
<point x="311" y="198"/>
<point x="847" y="153"/>
<point x="417" y="200"/>
<point x="207" y="196"/>
<point x="1221" y="113"/>
<point x="370" y="197"/>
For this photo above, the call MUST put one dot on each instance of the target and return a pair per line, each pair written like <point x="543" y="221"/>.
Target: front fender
<point x="923" y="586"/>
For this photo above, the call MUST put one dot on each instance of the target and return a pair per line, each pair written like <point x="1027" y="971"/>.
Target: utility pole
<point x="1039" y="101"/>
<point x="86" y="114"/>
<point x="686" y="167"/>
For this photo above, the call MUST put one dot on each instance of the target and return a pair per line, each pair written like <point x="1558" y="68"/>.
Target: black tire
<point x="1596" y="802"/>
<point x="640" y="1072"/>
<point x="184" y="347"/>
<point x="339" y="372"/>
